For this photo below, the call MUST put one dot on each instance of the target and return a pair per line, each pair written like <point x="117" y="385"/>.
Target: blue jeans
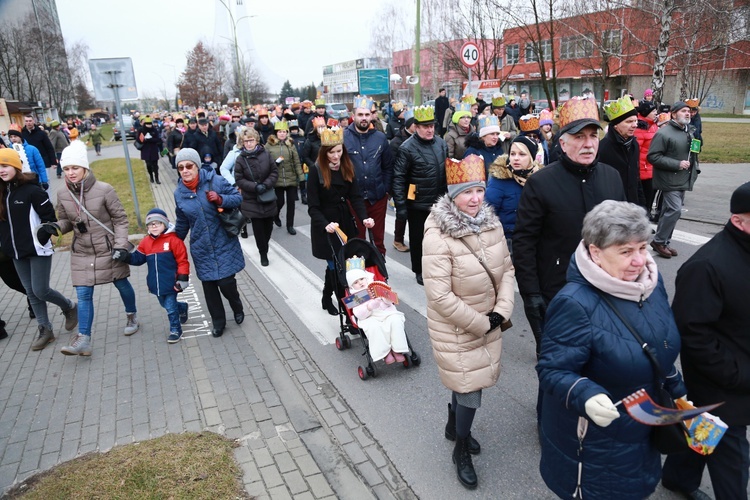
<point x="174" y="308"/>
<point x="86" y="303"/>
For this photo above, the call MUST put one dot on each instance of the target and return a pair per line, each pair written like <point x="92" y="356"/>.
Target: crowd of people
<point x="493" y="193"/>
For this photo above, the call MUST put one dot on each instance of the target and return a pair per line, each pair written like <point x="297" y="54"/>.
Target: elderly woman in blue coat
<point x="589" y="358"/>
<point x="217" y="257"/>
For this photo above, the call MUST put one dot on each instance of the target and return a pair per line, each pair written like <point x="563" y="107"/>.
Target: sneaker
<point x="81" y="346"/>
<point x="71" y="317"/>
<point x="184" y="315"/>
<point x="132" y="325"/>
<point x="400" y="246"/>
<point x="45" y="337"/>
<point x="174" y="337"/>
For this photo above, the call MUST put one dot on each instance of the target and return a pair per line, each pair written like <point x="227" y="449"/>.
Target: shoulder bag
<point x="231" y="219"/>
<point x="507" y="323"/>
<point x="130" y="247"/>
<point x="267" y="196"/>
<point x="666" y="438"/>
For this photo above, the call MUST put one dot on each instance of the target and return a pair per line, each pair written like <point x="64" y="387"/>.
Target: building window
<point x="512" y="53"/>
<point x="497" y="63"/>
<point x="568" y="47"/>
<point x="611" y="42"/>
<point x="531" y="55"/>
<point x="547" y="49"/>
<point x="585" y="46"/>
<point x="534" y="50"/>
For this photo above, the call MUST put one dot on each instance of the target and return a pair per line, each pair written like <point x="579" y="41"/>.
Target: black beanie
<point x="740" y="203"/>
<point x="645" y="108"/>
<point x="530" y="144"/>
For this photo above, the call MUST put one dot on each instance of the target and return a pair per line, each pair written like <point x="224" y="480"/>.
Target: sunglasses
<point x="185" y="167"/>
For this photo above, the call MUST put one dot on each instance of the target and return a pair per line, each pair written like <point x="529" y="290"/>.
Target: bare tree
<point x="201" y="81"/>
<point x="395" y="34"/>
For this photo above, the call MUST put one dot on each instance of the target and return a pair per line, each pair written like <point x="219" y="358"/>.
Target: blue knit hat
<point x="157" y="215"/>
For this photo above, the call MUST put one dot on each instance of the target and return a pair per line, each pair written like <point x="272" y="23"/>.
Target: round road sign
<point x="469" y="54"/>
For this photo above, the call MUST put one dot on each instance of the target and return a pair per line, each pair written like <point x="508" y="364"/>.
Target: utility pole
<point x="418" y="49"/>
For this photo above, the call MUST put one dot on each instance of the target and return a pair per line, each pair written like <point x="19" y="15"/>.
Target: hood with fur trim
<point x="501" y="170"/>
<point x="273" y="140"/>
<point x="451" y="221"/>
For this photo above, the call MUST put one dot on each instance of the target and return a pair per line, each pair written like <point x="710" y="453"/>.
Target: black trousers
<point x="416" y="220"/>
<point x="291" y="197"/>
<point x="9" y="275"/>
<point x="213" y="290"/>
<point x="153" y="168"/>
<point x="262" y="229"/>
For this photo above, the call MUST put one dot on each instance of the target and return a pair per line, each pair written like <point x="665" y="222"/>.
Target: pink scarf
<point x="635" y="291"/>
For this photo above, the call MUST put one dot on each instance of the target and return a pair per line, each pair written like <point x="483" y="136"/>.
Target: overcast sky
<point x="291" y="40"/>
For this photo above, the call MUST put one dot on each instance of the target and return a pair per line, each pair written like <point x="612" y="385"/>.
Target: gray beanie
<point x="677" y="106"/>
<point x="188" y="154"/>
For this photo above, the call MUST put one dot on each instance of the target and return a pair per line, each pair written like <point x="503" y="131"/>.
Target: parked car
<point x="335" y="109"/>
<point x="542" y="104"/>
<point x="129" y="128"/>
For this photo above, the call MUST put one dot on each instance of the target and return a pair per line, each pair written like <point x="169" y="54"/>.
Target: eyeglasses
<point x="185" y="167"/>
<point x="154" y="223"/>
<point x="250" y="140"/>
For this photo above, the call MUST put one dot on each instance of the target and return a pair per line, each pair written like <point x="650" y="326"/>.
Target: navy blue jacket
<point x="215" y="254"/>
<point x="587" y="350"/>
<point x="373" y="161"/>
<point x="166" y="257"/>
<point x="503" y="195"/>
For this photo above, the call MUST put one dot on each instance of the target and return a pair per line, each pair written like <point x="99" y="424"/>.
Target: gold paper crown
<point x="461" y="106"/>
<point x="318" y="122"/>
<point x="355" y="263"/>
<point x="281" y="125"/>
<point x="692" y="102"/>
<point x="528" y="123"/>
<point x="546" y="117"/>
<point x="398" y="106"/>
<point x="470" y="169"/>
<point x="424" y="114"/>
<point x="332" y="136"/>
<point x="578" y="108"/>
<point x="488" y="121"/>
<point x="663" y="118"/>
<point x="469" y="98"/>
<point x="320" y="102"/>
<point x="498" y="100"/>
<point x="362" y="101"/>
<point x="619" y="107"/>
<point x="307" y="103"/>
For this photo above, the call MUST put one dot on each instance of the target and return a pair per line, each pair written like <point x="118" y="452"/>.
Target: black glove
<point x="535" y="306"/>
<point x="260" y="188"/>
<point x="183" y="281"/>
<point x="45" y="186"/>
<point x="120" y="254"/>
<point x="495" y="320"/>
<point x="46" y="231"/>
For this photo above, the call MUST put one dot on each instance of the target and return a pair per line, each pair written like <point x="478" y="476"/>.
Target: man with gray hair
<point x="673" y="154"/>
<point x="553" y="204"/>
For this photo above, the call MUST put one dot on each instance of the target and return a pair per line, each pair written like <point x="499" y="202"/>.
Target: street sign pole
<point x="470" y="57"/>
<point x="116" y="88"/>
<point x="468" y="86"/>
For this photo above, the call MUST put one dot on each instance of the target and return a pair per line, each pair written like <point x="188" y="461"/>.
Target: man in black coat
<point x="441" y="106"/>
<point x="619" y="148"/>
<point x="553" y="204"/>
<point x="711" y="310"/>
<point x="205" y="137"/>
<point x="40" y="140"/>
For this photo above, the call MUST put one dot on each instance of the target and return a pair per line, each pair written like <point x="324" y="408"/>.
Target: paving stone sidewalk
<point x="256" y="384"/>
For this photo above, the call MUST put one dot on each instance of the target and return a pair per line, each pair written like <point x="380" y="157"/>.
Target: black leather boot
<point x="450" y="432"/>
<point x="328" y="287"/>
<point x="464" y="466"/>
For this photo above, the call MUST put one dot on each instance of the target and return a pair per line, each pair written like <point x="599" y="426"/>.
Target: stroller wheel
<point x="340" y="345"/>
<point x="372" y="371"/>
<point x="347" y="342"/>
<point x="415" y="360"/>
<point x="362" y="373"/>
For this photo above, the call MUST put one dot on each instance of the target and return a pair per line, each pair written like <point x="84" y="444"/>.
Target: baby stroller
<point x="375" y="264"/>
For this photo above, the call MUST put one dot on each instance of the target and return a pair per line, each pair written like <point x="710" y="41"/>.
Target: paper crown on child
<point x="424" y="115"/>
<point x="464" y="174"/>
<point x="546" y="117"/>
<point x="332" y="136"/>
<point x="498" y="100"/>
<point x="488" y="125"/>
<point x="528" y="123"/>
<point x="281" y="125"/>
<point x="355" y="263"/>
<point x="318" y="122"/>
<point x="620" y="109"/>
<point x="578" y="113"/>
<point x="362" y="101"/>
<point x="320" y="102"/>
<point x="692" y="102"/>
<point x="355" y="270"/>
<point x="462" y="109"/>
<point x="293" y="124"/>
<point x="469" y="98"/>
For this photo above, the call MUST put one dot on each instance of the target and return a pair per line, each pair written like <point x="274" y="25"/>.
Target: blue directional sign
<point x="374" y="81"/>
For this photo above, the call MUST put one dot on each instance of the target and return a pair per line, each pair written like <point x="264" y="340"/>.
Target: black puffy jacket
<point x="421" y="163"/>
<point x="26" y="207"/>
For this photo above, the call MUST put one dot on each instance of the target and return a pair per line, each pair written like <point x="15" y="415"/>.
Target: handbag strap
<point x="644" y="345"/>
<point x="89" y="213"/>
<point x="489" y="273"/>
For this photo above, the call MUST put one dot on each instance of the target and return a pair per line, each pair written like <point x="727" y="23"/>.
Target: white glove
<point x="600" y="410"/>
<point x="148" y="136"/>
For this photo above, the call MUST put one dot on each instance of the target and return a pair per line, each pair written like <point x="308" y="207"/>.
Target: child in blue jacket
<point x="168" y="268"/>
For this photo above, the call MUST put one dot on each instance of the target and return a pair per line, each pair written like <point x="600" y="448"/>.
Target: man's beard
<point x="363" y="126"/>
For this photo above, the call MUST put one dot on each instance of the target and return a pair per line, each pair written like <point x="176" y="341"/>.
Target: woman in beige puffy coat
<point x="81" y="202"/>
<point x="464" y="312"/>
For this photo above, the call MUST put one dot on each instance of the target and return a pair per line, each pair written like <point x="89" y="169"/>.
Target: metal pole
<point x="124" y="136"/>
<point x="418" y="47"/>
<point x="468" y="85"/>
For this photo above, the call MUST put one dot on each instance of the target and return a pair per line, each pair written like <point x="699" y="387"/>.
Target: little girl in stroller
<point x="382" y="323"/>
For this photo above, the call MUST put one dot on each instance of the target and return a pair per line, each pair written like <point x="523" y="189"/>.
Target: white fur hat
<point x="353" y="275"/>
<point x="75" y="154"/>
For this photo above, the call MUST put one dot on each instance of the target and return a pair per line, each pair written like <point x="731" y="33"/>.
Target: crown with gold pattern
<point x="318" y="122"/>
<point x="498" y="100"/>
<point x="546" y="117"/>
<point x="332" y="136"/>
<point x="464" y="174"/>
<point x="424" y="115"/>
<point x="320" y="102"/>
<point x="528" y="123"/>
<point x="488" y="125"/>
<point x="693" y="102"/>
<point x="577" y="113"/>
<point x="355" y="263"/>
<point x="469" y="98"/>
<point x="619" y="108"/>
<point x="361" y="101"/>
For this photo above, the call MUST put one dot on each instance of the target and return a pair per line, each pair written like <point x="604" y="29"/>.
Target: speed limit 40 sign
<point x="470" y="54"/>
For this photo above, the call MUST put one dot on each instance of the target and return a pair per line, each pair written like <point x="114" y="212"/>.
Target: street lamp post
<point x="238" y="63"/>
